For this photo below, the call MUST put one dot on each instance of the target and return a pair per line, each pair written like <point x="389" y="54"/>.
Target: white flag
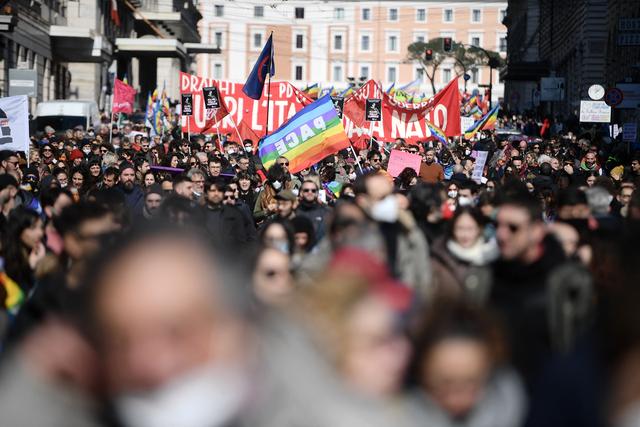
<point x="14" y="123"/>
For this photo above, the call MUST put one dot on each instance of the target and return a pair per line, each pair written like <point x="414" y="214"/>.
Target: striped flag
<point x="437" y="133"/>
<point x="312" y="134"/>
<point x="486" y="123"/>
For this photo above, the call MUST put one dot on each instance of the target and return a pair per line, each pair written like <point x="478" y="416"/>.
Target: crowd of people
<point x="174" y="281"/>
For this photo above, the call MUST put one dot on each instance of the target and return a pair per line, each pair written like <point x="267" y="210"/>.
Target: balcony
<point x="174" y="18"/>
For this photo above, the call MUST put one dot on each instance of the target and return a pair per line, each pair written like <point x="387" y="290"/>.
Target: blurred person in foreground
<point x="459" y="370"/>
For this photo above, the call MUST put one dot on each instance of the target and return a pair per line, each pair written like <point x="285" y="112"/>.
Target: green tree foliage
<point x="466" y="57"/>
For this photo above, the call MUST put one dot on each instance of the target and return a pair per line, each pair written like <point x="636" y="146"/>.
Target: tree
<point x="465" y="57"/>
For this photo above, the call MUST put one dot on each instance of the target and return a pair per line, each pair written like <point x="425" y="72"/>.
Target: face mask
<point x="210" y="396"/>
<point x="248" y="149"/>
<point x="352" y="176"/>
<point x="277" y="185"/>
<point x="386" y="210"/>
<point x="467" y="152"/>
<point x="465" y="201"/>
<point x="281" y="245"/>
<point x="86" y="150"/>
<point x="231" y="152"/>
<point x="452" y="194"/>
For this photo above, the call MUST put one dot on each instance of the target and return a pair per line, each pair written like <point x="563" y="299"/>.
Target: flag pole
<point x="269" y="85"/>
<point x="113" y="88"/>
<point x="356" y="157"/>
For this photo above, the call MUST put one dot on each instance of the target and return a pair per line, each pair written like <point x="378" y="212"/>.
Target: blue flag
<point x="264" y="65"/>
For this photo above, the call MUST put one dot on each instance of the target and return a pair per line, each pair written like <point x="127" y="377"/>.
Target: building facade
<point x="77" y="47"/>
<point x="578" y="41"/>
<point x="330" y="42"/>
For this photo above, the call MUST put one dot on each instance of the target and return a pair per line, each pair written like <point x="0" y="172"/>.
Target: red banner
<point x="401" y="119"/>
<point x="247" y="115"/>
<point x="123" y="97"/>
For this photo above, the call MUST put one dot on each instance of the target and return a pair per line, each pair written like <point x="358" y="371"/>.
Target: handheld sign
<point x="187" y="104"/>
<point x="338" y="104"/>
<point x="211" y="98"/>
<point x="399" y="160"/>
<point x="373" y="110"/>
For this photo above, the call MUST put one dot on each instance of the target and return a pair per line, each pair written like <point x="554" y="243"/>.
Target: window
<point x="337" y="73"/>
<point x="365" y="43"/>
<point x="421" y="15"/>
<point x="475" y="41"/>
<point x="217" y="71"/>
<point x="299" y="72"/>
<point x="446" y="75"/>
<point x="420" y="37"/>
<point x="502" y="15"/>
<point x="364" y="72"/>
<point x="476" y="15"/>
<point x="392" y="74"/>
<point x="257" y="40"/>
<point x="502" y="46"/>
<point x="299" y="41"/>
<point x="393" y="14"/>
<point x="218" y="10"/>
<point x="447" y="15"/>
<point x="392" y="43"/>
<point x="366" y="14"/>
<point x="338" y="13"/>
<point x="218" y="38"/>
<point x="420" y="74"/>
<point x="299" y="12"/>
<point x="258" y="11"/>
<point x="475" y="76"/>
<point x="337" y="42"/>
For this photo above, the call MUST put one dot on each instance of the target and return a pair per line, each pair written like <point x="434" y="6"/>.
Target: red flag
<point x="123" y="97"/>
<point x="115" y="16"/>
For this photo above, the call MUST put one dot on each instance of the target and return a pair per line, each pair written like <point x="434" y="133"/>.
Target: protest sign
<point x="478" y="168"/>
<point x="399" y="160"/>
<point x="187" y="104"/>
<point x="373" y="110"/>
<point x="211" y="98"/>
<point x="14" y="123"/>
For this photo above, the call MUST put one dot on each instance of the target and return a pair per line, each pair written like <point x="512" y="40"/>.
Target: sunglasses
<point x="376" y="160"/>
<point x="283" y="164"/>
<point x="513" y="228"/>
<point x="309" y="190"/>
<point x="229" y="198"/>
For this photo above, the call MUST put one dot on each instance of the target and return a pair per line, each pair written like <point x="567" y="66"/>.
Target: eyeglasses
<point x="283" y="164"/>
<point x="229" y="198"/>
<point x="376" y="160"/>
<point x="46" y="149"/>
<point x="309" y="190"/>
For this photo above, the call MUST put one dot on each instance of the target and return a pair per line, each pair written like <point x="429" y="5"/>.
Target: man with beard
<point x="430" y="171"/>
<point x="311" y="208"/>
<point x="152" y="201"/>
<point x="134" y="196"/>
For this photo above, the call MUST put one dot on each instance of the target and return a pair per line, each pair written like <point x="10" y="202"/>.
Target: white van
<point x="66" y="114"/>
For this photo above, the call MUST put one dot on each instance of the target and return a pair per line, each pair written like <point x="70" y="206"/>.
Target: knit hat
<point x="155" y="189"/>
<point x="76" y="154"/>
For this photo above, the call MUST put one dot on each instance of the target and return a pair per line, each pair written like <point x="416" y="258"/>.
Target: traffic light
<point x="428" y="55"/>
<point x="447" y="43"/>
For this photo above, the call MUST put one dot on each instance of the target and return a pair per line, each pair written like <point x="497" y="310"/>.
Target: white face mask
<point x="209" y="396"/>
<point x="230" y="152"/>
<point x="386" y="210"/>
<point x="86" y="150"/>
<point x="465" y="201"/>
<point x="452" y="194"/>
<point x="248" y="149"/>
<point x="352" y="176"/>
<point x="277" y="185"/>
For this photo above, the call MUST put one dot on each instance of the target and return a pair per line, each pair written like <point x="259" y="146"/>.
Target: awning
<point x="149" y="46"/>
<point x="202" y="48"/>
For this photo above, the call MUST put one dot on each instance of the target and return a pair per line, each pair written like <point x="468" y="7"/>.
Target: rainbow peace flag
<point x="312" y="134"/>
<point x="412" y="86"/>
<point x="437" y="132"/>
<point x="312" y="90"/>
<point x="348" y="91"/>
<point x="486" y="123"/>
<point x="15" y="296"/>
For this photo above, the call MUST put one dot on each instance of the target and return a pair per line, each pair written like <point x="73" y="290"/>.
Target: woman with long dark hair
<point x="22" y="247"/>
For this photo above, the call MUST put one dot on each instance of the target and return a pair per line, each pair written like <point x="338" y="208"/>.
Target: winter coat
<point x="458" y="271"/>
<point x="317" y="214"/>
<point x="226" y="226"/>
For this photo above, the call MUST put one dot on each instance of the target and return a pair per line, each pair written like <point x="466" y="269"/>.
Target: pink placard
<point x="400" y="160"/>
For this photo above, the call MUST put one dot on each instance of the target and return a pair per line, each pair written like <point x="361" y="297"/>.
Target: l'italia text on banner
<point x="249" y="115"/>
<point x="401" y="119"/>
<point x="14" y="123"/>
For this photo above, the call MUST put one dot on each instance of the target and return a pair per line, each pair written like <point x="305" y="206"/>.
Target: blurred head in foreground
<point x="168" y="330"/>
